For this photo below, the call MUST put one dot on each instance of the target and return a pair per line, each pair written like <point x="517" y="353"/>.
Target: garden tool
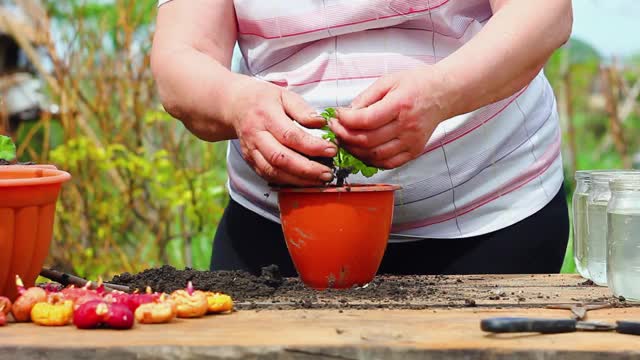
<point x="579" y="311"/>
<point x="555" y="326"/>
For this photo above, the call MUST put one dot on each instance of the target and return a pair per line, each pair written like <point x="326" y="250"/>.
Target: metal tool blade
<point x="594" y="326"/>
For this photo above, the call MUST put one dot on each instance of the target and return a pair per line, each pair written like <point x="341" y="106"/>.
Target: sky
<point x="611" y="26"/>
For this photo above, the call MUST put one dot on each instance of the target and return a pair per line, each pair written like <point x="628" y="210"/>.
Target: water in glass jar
<point x="597" y="242"/>
<point x="580" y="233"/>
<point x="623" y="269"/>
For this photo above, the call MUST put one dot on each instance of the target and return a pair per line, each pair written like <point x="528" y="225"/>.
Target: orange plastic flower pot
<point x="337" y="236"/>
<point x="28" y="196"/>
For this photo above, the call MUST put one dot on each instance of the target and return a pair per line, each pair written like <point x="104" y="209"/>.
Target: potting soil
<point x="271" y="291"/>
<point x="271" y="288"/>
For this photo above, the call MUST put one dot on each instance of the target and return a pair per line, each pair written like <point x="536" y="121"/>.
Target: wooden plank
<point x="350" y="334"/>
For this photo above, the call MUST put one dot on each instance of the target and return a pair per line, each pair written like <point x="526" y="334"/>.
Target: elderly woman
<point x="448" y="96"/>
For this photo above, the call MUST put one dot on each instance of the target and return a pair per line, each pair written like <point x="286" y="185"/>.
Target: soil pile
<point x="238" y="284"/>
<point x="271" y="288"/>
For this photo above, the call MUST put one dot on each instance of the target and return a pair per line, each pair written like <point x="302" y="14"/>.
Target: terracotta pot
<point x="28" y="196"/>
<point x="337" y="236"/>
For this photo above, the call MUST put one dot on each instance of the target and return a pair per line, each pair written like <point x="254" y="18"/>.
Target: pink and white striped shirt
<point x="479" y="172"/>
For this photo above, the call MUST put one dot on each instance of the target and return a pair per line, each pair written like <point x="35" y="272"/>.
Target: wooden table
<point x="439" y="331"/>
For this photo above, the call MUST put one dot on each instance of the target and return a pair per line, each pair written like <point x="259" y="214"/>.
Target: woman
<point x="448" y="96"/>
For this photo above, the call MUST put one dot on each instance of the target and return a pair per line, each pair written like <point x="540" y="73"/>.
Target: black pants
<point x="537" y="244"/>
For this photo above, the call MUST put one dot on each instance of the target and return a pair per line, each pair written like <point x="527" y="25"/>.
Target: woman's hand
<point x="392" y="120"/>
<point x="389" y="124"/>
<point x="192" y="51"/>
<point x="262" y="115"/>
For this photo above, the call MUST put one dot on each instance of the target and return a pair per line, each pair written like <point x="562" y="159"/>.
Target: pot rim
<point x="42" y="175"/>
<point x="343" y="189"/>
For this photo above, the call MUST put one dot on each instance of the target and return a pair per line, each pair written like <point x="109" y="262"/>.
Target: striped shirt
<point x="479" y="172"/>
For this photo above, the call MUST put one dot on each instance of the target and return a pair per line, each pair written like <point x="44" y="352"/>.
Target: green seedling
<point x="7" y="149"/>
<point x="344" y="164"/>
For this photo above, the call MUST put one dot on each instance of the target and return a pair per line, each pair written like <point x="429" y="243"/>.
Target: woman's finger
<point x="373" y="93"/>
<point x="379" y="155"/>
<point x="388" y="150"/>
<point x="365" y="138"/>
<point x="282" y="158"/>
<point x="294" y="137"/>
<point x="360" y="153"/>
<point x="397" y="160"/>
<point x="371" y="117"/>
<point x="277" y="176"/>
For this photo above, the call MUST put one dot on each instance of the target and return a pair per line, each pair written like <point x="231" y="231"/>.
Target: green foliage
<point x="181" y="203"/>
<point x="568" y="265"/>
<point x="581" y="51"/>
<point x="103" y="14"/>
<point x="577" y="67"/>
<point x="7" y="148"/>
<point x="344" y="162"/>
<point x="144" y="191"/>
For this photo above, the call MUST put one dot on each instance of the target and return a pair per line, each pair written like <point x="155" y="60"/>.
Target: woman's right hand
<point x="192" y="50"/>
<point x="263" y="116"/>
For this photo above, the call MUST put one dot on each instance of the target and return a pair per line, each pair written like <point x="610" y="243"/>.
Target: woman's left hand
<point x="390" y="122"/>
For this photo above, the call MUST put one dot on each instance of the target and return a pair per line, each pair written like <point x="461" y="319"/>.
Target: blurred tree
<point x="144" y="191"/>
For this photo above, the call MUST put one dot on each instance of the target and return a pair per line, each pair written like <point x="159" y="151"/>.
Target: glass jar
<point x="623" y="238"/>
<point x="597" y="203"/>
<point x="580" y="195"/>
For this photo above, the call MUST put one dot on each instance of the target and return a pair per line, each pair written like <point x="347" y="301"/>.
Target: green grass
<point x="569" y="266"/>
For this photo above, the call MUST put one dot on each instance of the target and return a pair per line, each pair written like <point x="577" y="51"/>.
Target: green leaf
<point x="329" y="135"/>
<point x="369" y="171"/>
<point x="329" y="113"/>
<point x="344" y="160"/>
<point x="7" y="148"/>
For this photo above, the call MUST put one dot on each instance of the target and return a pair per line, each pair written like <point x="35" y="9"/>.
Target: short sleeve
<point x="160" y="2"/>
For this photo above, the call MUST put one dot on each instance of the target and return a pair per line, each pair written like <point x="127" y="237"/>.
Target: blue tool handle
<point x="519" y="325"/>
<point x="628" y="327"/>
